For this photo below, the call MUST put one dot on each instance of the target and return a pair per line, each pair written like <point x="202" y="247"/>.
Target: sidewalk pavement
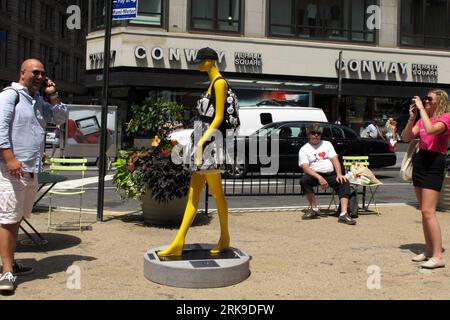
<point x="290" y="258"/>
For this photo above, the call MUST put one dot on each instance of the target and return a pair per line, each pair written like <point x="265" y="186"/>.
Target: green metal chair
<point x="60" y="165"/>
<point x="373" y="187"/>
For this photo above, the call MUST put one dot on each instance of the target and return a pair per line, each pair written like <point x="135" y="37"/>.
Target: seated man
<point x="320" y="163"/>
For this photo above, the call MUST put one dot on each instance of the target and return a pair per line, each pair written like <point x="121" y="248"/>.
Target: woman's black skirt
<point x="428" y="170"/>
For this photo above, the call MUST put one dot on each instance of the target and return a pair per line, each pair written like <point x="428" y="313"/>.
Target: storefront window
<point x="216" y="15"/>
<point x="424" y="23"/>
<point x="189" y="97"/>
<point x="334" y="20"/>
<point x="362" y="110"/>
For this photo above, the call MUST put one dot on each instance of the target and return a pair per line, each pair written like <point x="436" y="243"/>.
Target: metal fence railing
<point x="282" y="184"/>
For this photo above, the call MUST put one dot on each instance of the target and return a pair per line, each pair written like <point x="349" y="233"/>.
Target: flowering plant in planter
<point x="152" y="169"/>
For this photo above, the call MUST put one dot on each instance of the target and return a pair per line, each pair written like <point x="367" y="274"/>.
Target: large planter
<point x="444" y="198"/>
<point x="164" y="213"/>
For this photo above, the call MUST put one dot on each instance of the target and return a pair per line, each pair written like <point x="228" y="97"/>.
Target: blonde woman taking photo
<point x="433" y="131"/>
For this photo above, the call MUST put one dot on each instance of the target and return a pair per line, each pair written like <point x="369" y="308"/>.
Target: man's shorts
<point x="16" y="196"/>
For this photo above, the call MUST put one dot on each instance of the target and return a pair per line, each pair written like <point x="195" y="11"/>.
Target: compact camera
<point x="414" y="100"/>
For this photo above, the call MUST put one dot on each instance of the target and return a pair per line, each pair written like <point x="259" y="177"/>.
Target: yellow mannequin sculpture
<point x="212" y="177"/>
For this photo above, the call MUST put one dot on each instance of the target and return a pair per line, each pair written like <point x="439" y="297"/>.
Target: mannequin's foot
<point x="171" y="251"/>
<point x="224" y="243"/>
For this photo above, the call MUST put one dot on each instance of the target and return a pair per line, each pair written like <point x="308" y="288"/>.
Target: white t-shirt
<point x="372" y="131"/>
<point x="318" y="156"/>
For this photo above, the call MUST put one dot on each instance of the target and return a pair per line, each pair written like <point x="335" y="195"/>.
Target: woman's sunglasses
<point x="428" y="98"/>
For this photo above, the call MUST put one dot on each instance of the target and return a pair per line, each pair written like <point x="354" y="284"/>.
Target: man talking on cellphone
<point x="24" y="114"/>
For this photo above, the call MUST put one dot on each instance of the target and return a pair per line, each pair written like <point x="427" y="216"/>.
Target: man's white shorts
<point x="16" y="196"/>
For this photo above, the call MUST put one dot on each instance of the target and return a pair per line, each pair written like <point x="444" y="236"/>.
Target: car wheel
<point x="236" y="170"/>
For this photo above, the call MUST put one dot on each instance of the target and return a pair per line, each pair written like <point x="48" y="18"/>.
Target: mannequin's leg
<point x="215" y="186"/>
<point x="195" y="189"/>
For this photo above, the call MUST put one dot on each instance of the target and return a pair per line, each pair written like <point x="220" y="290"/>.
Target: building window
<point x="62" y="25"/>
<point x="424" y="23"/>
<point x="64" y="70"/>
<point x="78" y="69"/>
<point x="25" y="11"/>
<point x="150" y="12"/>
<point x="3" y="47"/>
<point x="4" y="5"/>
<point x="46" y="55"/>
<point x="98" y="14"/>
<point x="216" y="15"/>
<point x="25" y="47"/>
<point x="47" y="18"/>
<point x="333" y="20"/>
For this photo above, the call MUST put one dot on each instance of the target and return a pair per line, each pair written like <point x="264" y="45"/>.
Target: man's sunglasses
<point x="314" y="133"/>
<point x="39" y="72"/>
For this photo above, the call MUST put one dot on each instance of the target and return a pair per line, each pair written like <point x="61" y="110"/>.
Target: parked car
<point x="292" y="136"/>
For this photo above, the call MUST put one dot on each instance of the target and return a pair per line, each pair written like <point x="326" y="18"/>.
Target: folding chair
<point x="59" y="165"/>
<point x="373" y="187"/>
<point x="329" y="191"/>
<point x="334" y="195"/>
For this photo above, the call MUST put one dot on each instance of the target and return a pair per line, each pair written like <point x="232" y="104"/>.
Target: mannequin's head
<point x="206" y="59"/>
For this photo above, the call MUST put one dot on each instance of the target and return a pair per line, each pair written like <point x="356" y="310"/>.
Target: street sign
<point x="124" y="9"/>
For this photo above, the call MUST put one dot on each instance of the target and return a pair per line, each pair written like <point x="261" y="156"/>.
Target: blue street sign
<point x="2" y="36"/>
<point x="124" y="9"/>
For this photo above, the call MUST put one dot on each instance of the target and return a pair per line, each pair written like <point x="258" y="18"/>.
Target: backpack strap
<point x="18" y="94"/>
<point x="213" y="91"/>
<point x="218" y="78"/>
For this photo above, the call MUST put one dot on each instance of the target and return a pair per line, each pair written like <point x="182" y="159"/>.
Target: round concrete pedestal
<point x="197" y="267"/>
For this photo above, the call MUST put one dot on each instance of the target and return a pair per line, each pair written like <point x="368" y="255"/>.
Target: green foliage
<point x="154" y="118"/>
<point x="129" y="183"/>
<point x="151" y="170"/>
